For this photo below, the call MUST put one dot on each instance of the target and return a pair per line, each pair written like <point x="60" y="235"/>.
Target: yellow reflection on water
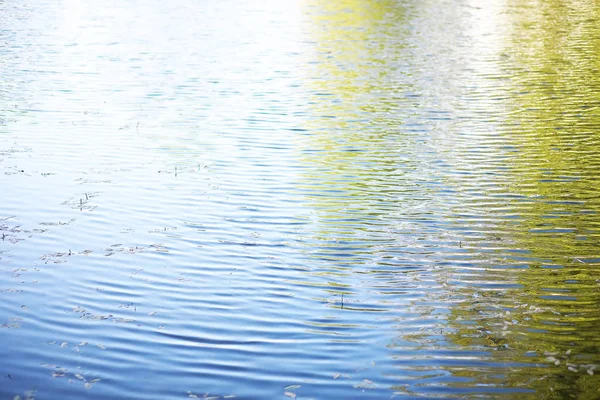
<point x="350" y="98"/>
<point x="485" y="118"/>
<point x="552" y="58"/>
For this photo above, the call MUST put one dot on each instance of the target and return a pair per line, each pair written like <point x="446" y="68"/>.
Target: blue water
<point x="298" y="199"/>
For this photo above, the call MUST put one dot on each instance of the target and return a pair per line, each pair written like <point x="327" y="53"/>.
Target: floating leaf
<point x="365" y="384"/>
<point x="292" y="387"/>
<point x="337" y="376"/>
<point x="79" y="376"/>
<point x="63" y="344"/>
<point x="290" y="394"/>
<point x="95" y="380"/>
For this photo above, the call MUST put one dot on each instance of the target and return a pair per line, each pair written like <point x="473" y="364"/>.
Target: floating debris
<point x="365" y="384"/>
<point x="88" y="384"/>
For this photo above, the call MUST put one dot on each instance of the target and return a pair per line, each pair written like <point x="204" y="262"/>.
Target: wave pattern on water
<point x="313" y="199"/>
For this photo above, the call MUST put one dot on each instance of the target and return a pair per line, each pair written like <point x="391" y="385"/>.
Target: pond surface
<point x="300" y="199"/>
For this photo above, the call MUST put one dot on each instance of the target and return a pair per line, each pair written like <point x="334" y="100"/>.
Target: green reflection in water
<point x="551" y="316"/>
<point x="356" y="152"/>
<point x="488" y="142"/>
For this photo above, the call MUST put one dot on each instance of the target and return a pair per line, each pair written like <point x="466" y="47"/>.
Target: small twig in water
<point x="137" y="126"/>
<point x="342" y="300"/>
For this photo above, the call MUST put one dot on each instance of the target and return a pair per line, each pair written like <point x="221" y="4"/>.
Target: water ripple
<point x="313" y="199"/>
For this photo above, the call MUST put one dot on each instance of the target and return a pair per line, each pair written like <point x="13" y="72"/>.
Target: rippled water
<point x="312" y="199"/>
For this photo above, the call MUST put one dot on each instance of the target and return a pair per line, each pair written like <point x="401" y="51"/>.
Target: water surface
<point x="312" y="199"/>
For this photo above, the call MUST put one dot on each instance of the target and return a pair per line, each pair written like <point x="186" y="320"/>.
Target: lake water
<point x="327" y="199"/>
